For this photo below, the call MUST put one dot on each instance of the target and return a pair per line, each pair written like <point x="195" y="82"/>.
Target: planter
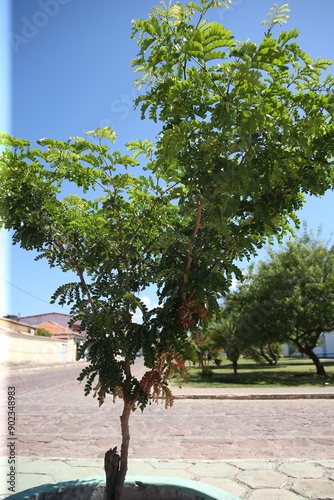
<point x="136" y="488"/>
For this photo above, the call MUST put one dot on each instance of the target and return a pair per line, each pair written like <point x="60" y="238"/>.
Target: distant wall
<point x="325" y="350"/>
<point x="9" y="325"/>
<point x="18" y="348"/>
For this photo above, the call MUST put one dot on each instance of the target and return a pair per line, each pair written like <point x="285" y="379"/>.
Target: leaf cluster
<point x="289" y="298"/>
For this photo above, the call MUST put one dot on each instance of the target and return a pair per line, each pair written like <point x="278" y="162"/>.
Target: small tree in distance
<point x="42" y="332"/>
<point x="245" y="129"/>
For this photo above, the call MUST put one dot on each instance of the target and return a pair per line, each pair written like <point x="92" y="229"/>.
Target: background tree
<point x="290" y="297"/>
<point x="245" y="129"/>
<point x="223" y="336"/>
<point x="270" y="352"/>
<point x="224" y="333"/>
<point x="204" y="349"/>
<point x="43" y="332"/>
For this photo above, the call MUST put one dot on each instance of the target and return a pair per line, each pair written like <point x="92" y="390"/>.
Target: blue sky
<point x="67" y="67"/>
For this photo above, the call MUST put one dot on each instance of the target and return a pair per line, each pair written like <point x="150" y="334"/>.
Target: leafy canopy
<point x="246" y="130"/>
<point x="289" y="297"/>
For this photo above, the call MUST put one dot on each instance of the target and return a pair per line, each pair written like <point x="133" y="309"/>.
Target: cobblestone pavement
<point x="258" y="449"/>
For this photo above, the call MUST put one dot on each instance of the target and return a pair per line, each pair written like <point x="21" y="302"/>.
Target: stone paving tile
<point x="326" y="463"/>
<point x="84" y="463"/>
<point x="25" y="481"/>
<point x="227" y="485"/>
<point x="318" y="489"/>
<point x="167" y="464"/>
<point x="172" y="473"/>
<point x="212" y="470"/>
<point x="39" y="466"/>
<point x="249" y="464"/>
<point x="301" y="470"/>
<point x="140" y="468"/>
<point x="275" y="495"/>
<point x="263" y="479"/>
<point x="73" y="473"/>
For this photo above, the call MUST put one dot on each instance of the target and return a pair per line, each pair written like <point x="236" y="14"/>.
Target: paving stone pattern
<point x="248" y="479"/>
<point x="257" y="449"/>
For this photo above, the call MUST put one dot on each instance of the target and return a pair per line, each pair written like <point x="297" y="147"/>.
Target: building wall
<point x="326" y="350"/>
<point x="9" y="325"/>
<point x="20" y="348"/>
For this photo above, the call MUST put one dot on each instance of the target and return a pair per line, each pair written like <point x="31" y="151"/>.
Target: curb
<point x="255" y="396"/>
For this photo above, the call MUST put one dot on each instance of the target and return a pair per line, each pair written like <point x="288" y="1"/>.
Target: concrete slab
<point x="226" y="485"/>
<point x="303" y="470"/>
<point x="315" y="489"/>
<point x="251" y="464"/>
<point x="179" y="473"/>
<point x="262" y="479"/>
<point x="168" y="464"/>
<point x="76" y="473"/>
<point x="25" y="481"/>
<point x="275" y="495"/>
<point x="212" y="469"/>
<point x="41" y="467"/>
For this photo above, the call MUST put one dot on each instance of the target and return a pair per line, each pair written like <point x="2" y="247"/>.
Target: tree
<point x="290" y="297"/>
<point x="225" y="333"/>
<point x="43" y="332"/>
<point x="204" y="350"/>
<point x="223" y="336"/>
<point x="245" y="130"/>
<point x="270" y="352"/>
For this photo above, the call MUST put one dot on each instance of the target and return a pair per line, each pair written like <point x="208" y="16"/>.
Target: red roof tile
<point x="59" y="331"/>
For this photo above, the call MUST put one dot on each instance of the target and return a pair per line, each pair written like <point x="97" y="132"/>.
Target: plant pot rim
<point x="206" y="491"/>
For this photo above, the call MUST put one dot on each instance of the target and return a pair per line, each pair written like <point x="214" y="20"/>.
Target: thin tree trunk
<point x="319" y="366"/>
<point x="273" y="354"/>
<point x="111" y="467"/>
<point x="201" y="362"/>
<point x="308" y="350"/>
<point x="266" y="357"/>
<point x="127" y="407"/>
<point x="235" y="369"/>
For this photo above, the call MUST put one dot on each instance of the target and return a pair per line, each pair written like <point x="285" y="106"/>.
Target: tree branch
<point x="191" y="241"/>
<point x="79" y="272"/>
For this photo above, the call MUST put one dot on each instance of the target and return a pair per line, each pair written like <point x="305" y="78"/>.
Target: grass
<point x="288" y="373"/>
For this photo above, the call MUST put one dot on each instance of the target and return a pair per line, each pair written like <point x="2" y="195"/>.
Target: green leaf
<point x="103" y="132"/>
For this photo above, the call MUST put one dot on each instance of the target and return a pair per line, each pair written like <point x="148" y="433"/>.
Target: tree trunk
<point x="319" y="366"/>
<point x="111" y="467"/>
<point x="127" y="407"/>
<point x="266" y="357"/>
<point x="235" y="369"/>
<point x="201" y="362"/>
<point x="273" y="355"/>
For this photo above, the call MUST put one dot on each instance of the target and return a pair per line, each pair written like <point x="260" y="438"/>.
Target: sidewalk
<point x="247" y="479"/>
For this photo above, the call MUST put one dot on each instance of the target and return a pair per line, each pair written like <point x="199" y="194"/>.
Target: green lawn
<point x="288" y="372"/>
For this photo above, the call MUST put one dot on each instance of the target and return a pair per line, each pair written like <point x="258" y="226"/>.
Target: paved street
<point x="254" y="448"/>
<point x="54" y="419"/>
